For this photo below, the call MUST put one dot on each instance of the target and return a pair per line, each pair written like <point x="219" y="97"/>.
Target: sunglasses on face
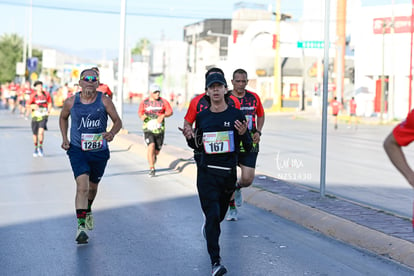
<point x="243" y="81"/>
<point x="90" y="78"/>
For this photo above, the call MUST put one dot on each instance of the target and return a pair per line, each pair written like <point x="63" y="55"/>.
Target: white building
<point x="383" y="51"/>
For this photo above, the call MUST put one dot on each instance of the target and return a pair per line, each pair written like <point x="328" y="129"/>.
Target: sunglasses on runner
<point x="90" y="78"/>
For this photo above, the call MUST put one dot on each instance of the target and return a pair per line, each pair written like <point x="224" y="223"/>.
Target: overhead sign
<point x="32" y="64"/>
<point x="402" y="24"/>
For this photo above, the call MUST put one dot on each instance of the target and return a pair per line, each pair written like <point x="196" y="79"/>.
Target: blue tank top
<point x="88" y="123"/>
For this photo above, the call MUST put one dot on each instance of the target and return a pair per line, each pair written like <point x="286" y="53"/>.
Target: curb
<point x="338" y="228"/>
<point x="330" y="225"/>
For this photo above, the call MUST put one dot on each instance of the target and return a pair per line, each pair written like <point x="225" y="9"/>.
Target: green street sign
<point x="311" y="44"/>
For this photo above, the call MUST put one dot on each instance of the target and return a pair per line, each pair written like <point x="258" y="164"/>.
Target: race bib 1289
<point x="218" y="142"/>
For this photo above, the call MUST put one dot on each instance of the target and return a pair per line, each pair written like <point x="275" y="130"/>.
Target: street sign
<point x="20" y="68"/>
<point x="32" y="64"/>
<point x="311" y="44"/>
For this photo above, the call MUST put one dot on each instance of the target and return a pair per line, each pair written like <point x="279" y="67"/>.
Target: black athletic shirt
<point x="220" y="141"/>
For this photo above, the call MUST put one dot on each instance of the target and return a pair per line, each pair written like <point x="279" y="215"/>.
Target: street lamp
<point x="219" y="36"/>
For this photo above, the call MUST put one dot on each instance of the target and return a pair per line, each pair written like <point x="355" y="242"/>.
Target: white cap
<point x="154" y="88"/>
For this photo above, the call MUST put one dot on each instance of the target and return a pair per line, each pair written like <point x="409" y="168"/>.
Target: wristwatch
<point x="260" y="133"/>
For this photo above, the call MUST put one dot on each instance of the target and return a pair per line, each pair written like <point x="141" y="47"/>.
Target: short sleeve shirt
<point x="104" y="89"/>
<point x="153" y="109"/>
<point x="200" y="103"/>
<point x="404" y="132"/>
<point x="42" y="101"/>
<point x="252" y="107"/>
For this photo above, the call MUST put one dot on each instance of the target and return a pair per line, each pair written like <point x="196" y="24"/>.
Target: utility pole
<point x="325" y="101"/>
<point x="277" y="86"/>
<point x="391" y="78"/>
<point x="121" y="57"/>
<point x="384" y="26"/>
<point x="30" y="29"/>
<point x="340" y="48"/>
<point x="24" y="58"/>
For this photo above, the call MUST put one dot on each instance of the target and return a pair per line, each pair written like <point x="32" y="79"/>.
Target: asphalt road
<point x="144" y="226"/>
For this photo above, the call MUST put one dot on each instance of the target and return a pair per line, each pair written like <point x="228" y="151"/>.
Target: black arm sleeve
<point x="247" y="141"/>
<point x="196" y="143"/>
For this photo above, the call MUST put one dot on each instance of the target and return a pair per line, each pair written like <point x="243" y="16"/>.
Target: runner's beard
<point x="88" y="92"/>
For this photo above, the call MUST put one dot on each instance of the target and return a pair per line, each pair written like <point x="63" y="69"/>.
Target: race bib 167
<point x="218" y="142"/>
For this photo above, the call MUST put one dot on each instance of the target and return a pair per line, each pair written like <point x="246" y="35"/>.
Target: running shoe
<point x="89" y="221"/>
<point x="218" y="269"/>
<point x="238" y="198"/>
<point x="40" y="152"/>
<point x="232" y="214"/>
<point x="35" y="153"/>
<point x="151" y="173"/>
<point x="81" y="235"/>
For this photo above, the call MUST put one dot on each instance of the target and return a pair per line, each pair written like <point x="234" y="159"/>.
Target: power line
<point x="142" y="14"/>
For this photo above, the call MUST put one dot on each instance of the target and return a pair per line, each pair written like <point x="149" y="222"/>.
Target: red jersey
<point x="42" y="100"/>
<point x="26" y="93"/>
<point x="352" y="106"/>
<point x="252" y="107"/>
<point x="335" y="107"/>
<point x="200" y="103"/>
<point x="105" y="89"/>
<point x="404" y="132"/>
<point x="152" y="109"/>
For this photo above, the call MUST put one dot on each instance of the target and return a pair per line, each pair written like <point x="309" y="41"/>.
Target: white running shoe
<point x="89" y="221"/>
<point x="81" y="235"/>
<point x="40" y="152"/>
<point x="218" y="269"/>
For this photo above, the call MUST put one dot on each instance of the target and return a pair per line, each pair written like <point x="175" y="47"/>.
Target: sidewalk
<point x="377" y="231"/>
<point x="343" y="117"/>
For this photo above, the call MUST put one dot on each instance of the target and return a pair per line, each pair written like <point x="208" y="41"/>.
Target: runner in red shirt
<point x="336" y="106"/>
<point x="40" y="103"/>
<point x="24" y="95"/>
<point x="13" y="90"/>
<point x="152" y="111"/>
<point x="352" y="112"/>
<point x="252" y="108"/>
<point x="402" y="135"/>
<point x="102" y="86"/>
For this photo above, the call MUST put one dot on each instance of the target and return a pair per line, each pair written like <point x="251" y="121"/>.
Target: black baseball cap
<point x="215" y="78"/>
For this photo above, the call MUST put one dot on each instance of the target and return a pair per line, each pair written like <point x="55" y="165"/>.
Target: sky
<point x="92" y="27"/>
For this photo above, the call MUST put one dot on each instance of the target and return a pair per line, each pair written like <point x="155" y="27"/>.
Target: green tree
<point x="11" y="52"/>
<point x="142" y="45"/>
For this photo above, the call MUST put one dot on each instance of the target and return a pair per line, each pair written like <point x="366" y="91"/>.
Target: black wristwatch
<point x="260" y="133"/>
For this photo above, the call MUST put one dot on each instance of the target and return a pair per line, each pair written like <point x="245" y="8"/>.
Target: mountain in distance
<point x="82" y="55"/>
